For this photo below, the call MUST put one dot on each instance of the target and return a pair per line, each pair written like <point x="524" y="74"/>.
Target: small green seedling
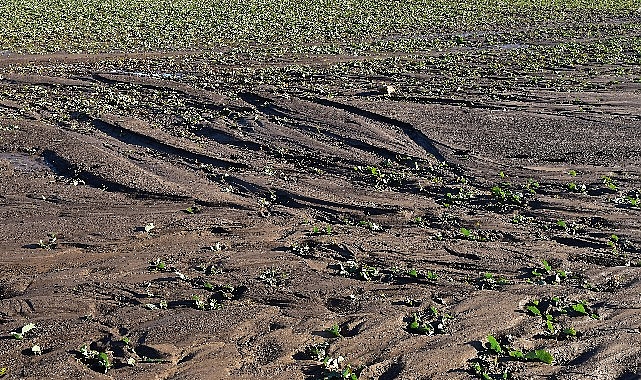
<point x="532" y="186"/>
<point x="191" y="210"/>
<point x="429" y="322"/>
<point x="35" y="350"/>
<point x="19" y="335"/>
<point x="579" y="308"/>
<point x="507" y="196"/>
<point x="494" y="344"/>
<point x="149" y="227"/>
<point x="577" y="188"/>
<point x="490" y="281"/>
<point x="202" y="303"/>
<point x="547" y="275"/>
<point x="51" y="242"/>
<point x="274" y="277"/>
<point x="613" y="243"/>
<point x="158" y="265"/>
<point x="431" y="275"/>
<point x="318" y="351"/>
<point x="417" y="275"/>
<point x="333" y="369"/>
<point x="335" y="331"/>
<point x="412" y="302"/>
<point x="609" y="183"/>
<point x="320" y="231"/>
<point x="552" y="308"/>
<point x="517" y="219"/>
<point x="540" y="355"/>
<point x="469" y="235"/>
<point x="370" y="225"/>
<point x="97" y="357"/>
<point x="634" y="201"/>
<point x="358" y="270"/>
<point x="198" y="302"/>
<point x="493" y="361"/>
<point x="534" y="310"/>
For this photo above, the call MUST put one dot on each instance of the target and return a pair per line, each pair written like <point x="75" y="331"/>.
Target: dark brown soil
<point x="94" y="148"/>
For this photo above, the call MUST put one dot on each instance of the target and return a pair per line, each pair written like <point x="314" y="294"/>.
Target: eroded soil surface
<point x="213" y="219"/>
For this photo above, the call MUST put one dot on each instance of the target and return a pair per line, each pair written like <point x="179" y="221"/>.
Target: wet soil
<point x="222" y="216"/>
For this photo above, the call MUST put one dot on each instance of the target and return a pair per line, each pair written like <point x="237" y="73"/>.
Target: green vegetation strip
<point x="39" y="26"/>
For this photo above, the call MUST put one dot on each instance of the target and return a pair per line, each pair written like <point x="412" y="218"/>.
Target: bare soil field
<point x="465" y="212"/>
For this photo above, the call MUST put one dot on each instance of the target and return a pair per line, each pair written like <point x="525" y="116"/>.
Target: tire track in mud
<point x="302" y="121"/>
<point x="414" y="134"/>
<point x="130" y="137"/>
<point x="265" y="333"/>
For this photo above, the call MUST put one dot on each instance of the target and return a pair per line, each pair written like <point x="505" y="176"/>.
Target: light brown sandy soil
<point x="93" y="151"/>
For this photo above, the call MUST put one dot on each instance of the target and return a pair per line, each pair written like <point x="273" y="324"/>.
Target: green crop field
<point x="38" y="26"/>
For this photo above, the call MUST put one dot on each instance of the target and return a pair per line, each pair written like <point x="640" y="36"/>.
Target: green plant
<point x="429" y="322"/>
<point x="320" y="231"/>
<point x="412" y="302"/>
<point x="540" y="355"/>
<point x="317" y="351"/>
<point x="335" y="331"/>
<point x="274" y="277"/>
<point x="613" y="242"/>
<point x="494" y="344"/>
<point x="19" y="335"/>
<point x="532" y="186"/>
<point x="358" y="270"/>
<point x="490" y="281"/>
<point x="507" y="196"/>
<point x="609" y="183"/>
<point x="634" y="201"/>
<point x="547" y="275"/>
<point x="468" y="234"/>
<point x="370" y="225"/>
<point x="158" y="265"/>
<point x="192" y="210"/>
<point x="149" y="227"/>
<point x="419" y="274"/>
<point x="335" y="370"/>
<point x="577" y="188"/>
<point x="517" y="219"/>
<point x="205" y="303"/>
<point x="463" y="194"/>
<point x="419" y="221"/>
<point x="493" y="360"/>
<point x="99" y="358"/>
<point x="50" y="243"/>
<point x="553" y="308"/>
